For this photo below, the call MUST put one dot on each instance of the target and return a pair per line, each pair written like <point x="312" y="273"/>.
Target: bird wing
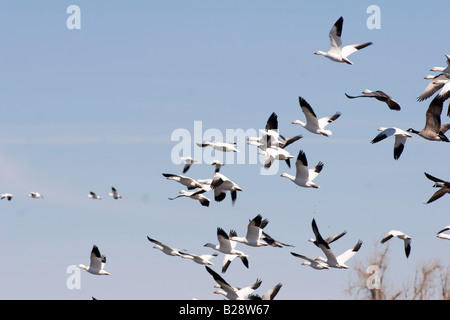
<point x="348" y="50"/>
<point x="224" y="239"/>
<point x="220" y="281"/>
<point x="335" y="36"/>
<point x="97" y="260"/>
<point x="301" y="165"/>
<point x="342" y="258"/>
<point x="314" y="172"/>
<point x="433" y="115"/>
<point x="383" y="135"/>
<point x="323" y="245"/>
<point x="247" y="290"/>
<point x="310" y="115"/>
<point x="254" y="230"/>
<point x="331" y="239"/>
<point x="323" y="122"/>
<point x="438" y="194"/>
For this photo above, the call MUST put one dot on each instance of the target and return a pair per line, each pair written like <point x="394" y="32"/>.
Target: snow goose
<point x="339" y="261"/>
<point x="35" y="195"/>
<point x="380" y="96"/>
<point x="442" y="235"/>
<point x="97" y="263"/>
<point x="311" y="262"/>
<point x="196" y="195"/>
<point x="164" y="248"/>
<point x="228" y="247"/>
<point x="217" y="164"/>
<point x="272" y="242"/>
<point x="304" y="177"/>
<point x="7" y="196"/>
<point x="439" y="183"/>
<point x="185" y="181"/>
<point x="93" y="195"/>
<point x="269" y="295"/>
<point x="443" y="69"/>
<point x="188" y="161"/>
<point x="221" y="146"/>
<point x="114" y="193"/>
<point x="336" y="52"/>
<point x="433" y="129"/>
<point x="202" y="259"/>
<point x="441" y="81"/>
<point x="331" y="260"/>
<point x="221" y="184"/>
<point x="313" y="124"/>
<point x="254" y="232"/>
<point x="230" y="292"/>
<point x="400" y="139"/>
<point x="406" y="239"/>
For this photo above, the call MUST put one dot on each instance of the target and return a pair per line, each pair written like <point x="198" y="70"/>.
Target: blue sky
<point x="84" y="110"/>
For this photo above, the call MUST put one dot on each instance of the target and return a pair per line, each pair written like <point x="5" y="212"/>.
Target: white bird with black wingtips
<point x="336" y="52"/>
<point x="400" y="139"/>
<point x="221" y="146"/>
<point x="93" y="195"/>
<point x="184" y="180"/>
<point x="228" y="247"/>
<point x="114" y="193"/>
<point x="314" y="124"/>
<point x="406" y="239"/>
<point x="318" y="265"/>
<point x="97" y="263"/>
<point x="304" y="176"/>
<point x="196" y="195"/>
<point x="253" y="237"/>
<point x="165" y="248"/>
<point x="221" y="184"/>
<point x="7" y="196"/>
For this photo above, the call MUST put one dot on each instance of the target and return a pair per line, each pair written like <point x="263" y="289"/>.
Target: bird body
<point x="400" y="235"/>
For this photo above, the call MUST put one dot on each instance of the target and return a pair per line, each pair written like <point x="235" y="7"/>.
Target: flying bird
<point x="439" y="183"/>
<point x="304" y="177"/>
<point x="400" y="139"/>
<point x="314" y="124"/>
<point x="35" y="195"/>
<point x="221" y="184"/>
<point x="196" y="195"/>
<point x="221" y="146"/>
<point x="336" y="52"/>
<point x="202" y="259"/>
<point x="253" y="237"/>
<point x="114" y="193"/>
<point x="165" y="248"/>
<point x="232" y="293"/>
<point x="217" y="164"/>
<point x="188" y="161"/>
<point x="318" y="265"/>
<point x="272" y="242"/>
<point x="328" y="240"/>
<point x="433" y="129"/>
<point x="7" y="196"/>
<point x="185" y="181"/>
<point x="406" y="239"/>
<point x="97" y="263"/>
<point x="380" y="96"/>
<point x="228" y="247"/>
<point x="93" y="195"/>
